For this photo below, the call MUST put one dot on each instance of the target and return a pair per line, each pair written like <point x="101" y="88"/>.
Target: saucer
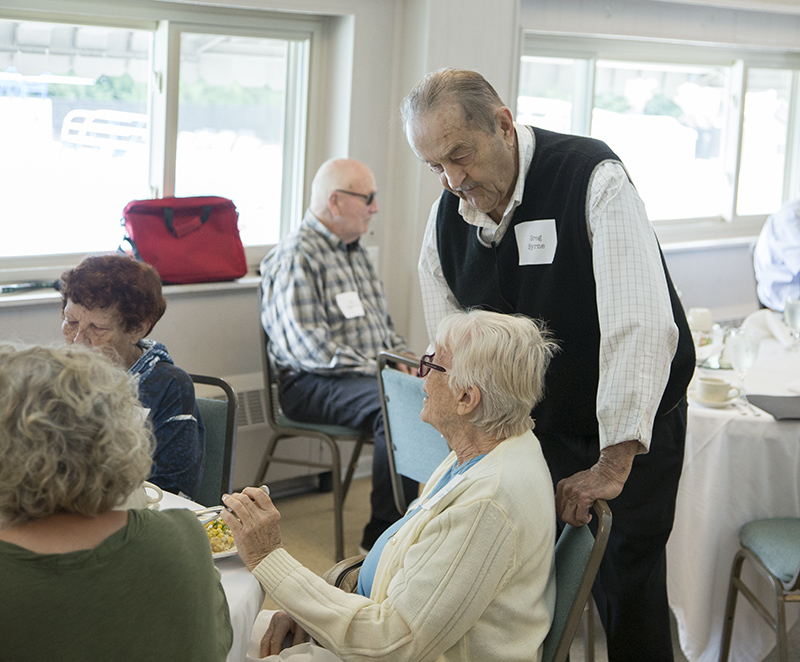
<point x="711" y="403"/>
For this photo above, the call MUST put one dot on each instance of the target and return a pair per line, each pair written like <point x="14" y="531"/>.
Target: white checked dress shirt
<point x="305" y="321"/>
<point x="638" y="337"/>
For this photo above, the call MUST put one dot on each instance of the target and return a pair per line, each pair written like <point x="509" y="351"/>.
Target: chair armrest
<point x="344" y="575"/>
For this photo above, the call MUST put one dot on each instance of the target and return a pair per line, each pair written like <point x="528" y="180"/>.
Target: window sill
<point x="701" y="235"/>
<point x="49" y="297"/>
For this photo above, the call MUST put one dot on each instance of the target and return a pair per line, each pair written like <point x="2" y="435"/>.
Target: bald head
<point x="340" y="194"/>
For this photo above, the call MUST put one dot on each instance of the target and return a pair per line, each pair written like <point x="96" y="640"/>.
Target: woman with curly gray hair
<point x="468" y="573"/>
<point x="82" y="580"/>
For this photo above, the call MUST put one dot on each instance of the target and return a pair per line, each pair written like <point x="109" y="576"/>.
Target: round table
<point x="736" y="468"/>
<point x="242" y="591"/>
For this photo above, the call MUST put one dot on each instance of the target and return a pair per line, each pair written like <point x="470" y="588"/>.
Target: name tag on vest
<point x="536" y="241"/>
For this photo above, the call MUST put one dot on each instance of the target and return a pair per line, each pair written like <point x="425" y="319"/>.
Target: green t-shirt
<point x="150" y="591"/>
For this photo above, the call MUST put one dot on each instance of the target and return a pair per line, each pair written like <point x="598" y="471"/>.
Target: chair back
<point x="415" y="448"/>
<point x="219" y="418"/>
<point x="578" y="556"/>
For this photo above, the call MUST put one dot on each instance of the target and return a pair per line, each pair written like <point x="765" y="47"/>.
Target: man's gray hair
<point x="505" y="357"/>
<point x="469" y="90"/>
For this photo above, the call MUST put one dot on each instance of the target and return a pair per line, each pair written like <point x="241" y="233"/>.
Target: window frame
<point x="167" y="22"/>
<point x="587" y="50"/>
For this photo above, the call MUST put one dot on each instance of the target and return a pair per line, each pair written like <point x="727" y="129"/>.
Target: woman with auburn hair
<point x="468" y="573"/>
<point x="83" y="581"/>
<point x="111" y="302"/>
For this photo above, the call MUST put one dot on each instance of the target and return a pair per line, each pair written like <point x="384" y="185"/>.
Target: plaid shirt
<point x="308" y="332"/>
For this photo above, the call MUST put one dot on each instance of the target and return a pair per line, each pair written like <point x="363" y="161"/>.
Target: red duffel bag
<point x="187" y="240"/>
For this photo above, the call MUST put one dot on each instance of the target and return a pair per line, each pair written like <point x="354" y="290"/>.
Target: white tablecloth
<point x="244" y="594"/>
<point x="736" y="469"/>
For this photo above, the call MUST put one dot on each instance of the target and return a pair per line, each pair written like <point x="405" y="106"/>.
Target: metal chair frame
<point x="736" y="586"/>
<point x="558" y="650"/>
<point x="229" y="451"/>
<point x="385" y="358"/>
<point x="281" y="427"/>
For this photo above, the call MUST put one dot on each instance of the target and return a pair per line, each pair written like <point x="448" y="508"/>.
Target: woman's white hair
<point x="505" y="357"/>
<point x="73" y="437"/>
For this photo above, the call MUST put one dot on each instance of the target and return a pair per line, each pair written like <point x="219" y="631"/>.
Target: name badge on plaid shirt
<point x="350" y="305"/>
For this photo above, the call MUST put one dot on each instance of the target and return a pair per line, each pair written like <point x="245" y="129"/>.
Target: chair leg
<point x="338" y="498"/>
<point x="262" y="470"/>
<point x="730" y="606"/>
<point x="351" y="468"/>
<point x="589" y="639"/>
<point x="335" y="467"/>
<point x="780" y="629"/>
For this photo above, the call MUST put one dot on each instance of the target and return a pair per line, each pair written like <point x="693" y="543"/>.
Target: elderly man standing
<point x="325" y="313"/>
<point x="550" y="226"/>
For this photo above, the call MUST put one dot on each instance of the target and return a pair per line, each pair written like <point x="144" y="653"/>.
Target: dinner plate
<point x="709" y="403"/>
<point x="223" y="555"/>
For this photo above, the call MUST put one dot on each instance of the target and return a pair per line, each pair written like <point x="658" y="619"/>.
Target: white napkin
<point x="769" y="325"/>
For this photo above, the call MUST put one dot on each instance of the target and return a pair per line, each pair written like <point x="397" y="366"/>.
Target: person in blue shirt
<point x="110" y="303"/>
<point x="776" y="258"/>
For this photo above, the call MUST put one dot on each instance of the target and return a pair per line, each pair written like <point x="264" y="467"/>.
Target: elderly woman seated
<point x="468" y="573"/>
<point x="81" y="580"/>
<point x="111" y="302"/>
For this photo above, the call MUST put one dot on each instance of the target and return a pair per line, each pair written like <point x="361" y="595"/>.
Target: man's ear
<point x="469" y="400"/>
<point x="505" y="124"/>
<point x="333" y="203"/>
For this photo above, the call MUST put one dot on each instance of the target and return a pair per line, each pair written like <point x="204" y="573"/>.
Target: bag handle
<point x="185" y="226"/>
<point x="134" y="248"/>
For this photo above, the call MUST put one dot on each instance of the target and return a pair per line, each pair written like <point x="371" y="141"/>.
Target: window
<point x="705" y="134"/>
<point x="84" y="127"/>
<point x="231" y="126"/>
<point x="73" y="125"/>
<point x="765" y="132"/>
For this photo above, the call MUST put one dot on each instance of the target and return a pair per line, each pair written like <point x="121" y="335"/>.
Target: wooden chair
<point x="772" y="547"/>
<point x="219" y="418"/>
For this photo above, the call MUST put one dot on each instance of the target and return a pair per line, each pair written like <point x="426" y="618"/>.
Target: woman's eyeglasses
<point x="426" y="364"/>
<point x="368" y="198"/>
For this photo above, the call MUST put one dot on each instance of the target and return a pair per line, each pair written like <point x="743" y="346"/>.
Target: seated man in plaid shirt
<point x="325" y="313"/>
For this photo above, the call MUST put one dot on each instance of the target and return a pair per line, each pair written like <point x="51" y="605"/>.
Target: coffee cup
<point x="147" y="495"/>
<point x="715" y="389"/>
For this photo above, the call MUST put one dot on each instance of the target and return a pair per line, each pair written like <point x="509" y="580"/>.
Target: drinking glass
<point x="742" y="346"/>
<point x="791" y="315"/>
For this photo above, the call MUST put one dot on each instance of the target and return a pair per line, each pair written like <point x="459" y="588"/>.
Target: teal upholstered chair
<point x="219" y="419"/>
<point x="415" y="448"/>
<point x="578" y="557"/>
<point x="281" y="427"/>
<point x="772" y="546"/>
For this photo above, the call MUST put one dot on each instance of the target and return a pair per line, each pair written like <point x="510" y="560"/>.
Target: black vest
<point x="562" y="293"/>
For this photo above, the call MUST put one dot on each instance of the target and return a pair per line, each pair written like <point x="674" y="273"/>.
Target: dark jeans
<point x="353" y="401"/>
<point x="631" y="586"/>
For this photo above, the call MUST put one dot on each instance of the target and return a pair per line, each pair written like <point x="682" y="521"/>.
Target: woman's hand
<point x="253" y="523"/>
<point x="280" y="627"/>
